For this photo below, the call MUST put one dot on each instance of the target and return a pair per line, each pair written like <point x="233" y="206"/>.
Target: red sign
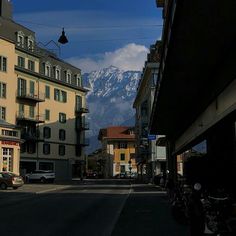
<point x="10" y="143"/>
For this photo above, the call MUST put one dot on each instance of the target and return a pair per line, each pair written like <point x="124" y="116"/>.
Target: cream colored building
<point x="9" y="133"/>
<point x="44" y="98"/>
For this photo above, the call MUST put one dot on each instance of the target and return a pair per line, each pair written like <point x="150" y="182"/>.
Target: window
<point x="31" y="147"/>
<point x="62" y="134"/>
<point x="78" y="80"/>
<point x="2" y="90"/>
<point x="47" y="114"/>
<point x="122" y="168"/>
<point x="32" y="89"/>
<point x="21" y="87"/>
<point x="47" y="69"/>
<point x="46" y="148"/>
<point x="3" y="63"/>
<point x="20" y="39"/>
<point x="63" y="96"/>
<point x="62" y="117"/>
<point x="30" y="43"/>
<point x="57" y="72"/>
<point x="47" y="132"/>
<point x="68" y="76"/>
<point x="31" y="65"/>
<point x="78" y="101"/>
<point x="61" y="150"/>
<point x="122" y="145"/>
<point x="2" y="113"/>
<point x="11" y="133"/>
<point x="122" y="156"/>
<point x="47" y="91"/>
<point x="21" y="62"/>
<point x="60" y="95"/>
<point x="31" y="112"/>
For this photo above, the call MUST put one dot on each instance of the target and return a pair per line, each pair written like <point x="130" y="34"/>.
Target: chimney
<point x="6" y="9"/>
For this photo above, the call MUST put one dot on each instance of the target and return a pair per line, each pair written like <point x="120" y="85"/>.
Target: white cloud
<point x="130" y="57"/>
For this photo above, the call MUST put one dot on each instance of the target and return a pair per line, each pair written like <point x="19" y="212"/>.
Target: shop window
<point x="46" y="166"/>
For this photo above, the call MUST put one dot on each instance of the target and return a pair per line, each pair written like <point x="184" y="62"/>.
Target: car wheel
<point x="15" y="187"/>
<point x="43" y="180"/>
<point x="3" y="186"/>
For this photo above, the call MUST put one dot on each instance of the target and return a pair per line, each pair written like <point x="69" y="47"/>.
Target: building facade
<point x="151" y="157"/>
<point x="45" y="99"/>
<point x="195" y="99"/>
<point x="118" y="150"/>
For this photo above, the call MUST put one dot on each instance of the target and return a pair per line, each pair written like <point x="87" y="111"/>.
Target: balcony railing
<point x="33" y="96"/>
<point x="26" y="116"/>
<point x="84" y="142"/>
<point x="81" y="110"/>
<point x="83" y="126"/>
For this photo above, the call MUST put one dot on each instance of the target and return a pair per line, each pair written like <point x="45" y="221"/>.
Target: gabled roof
<point x="117" y="132"/>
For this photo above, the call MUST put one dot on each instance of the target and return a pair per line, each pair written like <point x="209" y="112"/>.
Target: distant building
<point x="43" y="97"/>
<point x="118" y="150"/>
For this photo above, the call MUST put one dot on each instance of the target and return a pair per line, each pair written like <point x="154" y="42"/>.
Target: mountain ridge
<point x="111" y="91"/>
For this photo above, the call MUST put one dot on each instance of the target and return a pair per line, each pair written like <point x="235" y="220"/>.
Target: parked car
<point x="42" y="176"/>
<point x="9" y="179"/>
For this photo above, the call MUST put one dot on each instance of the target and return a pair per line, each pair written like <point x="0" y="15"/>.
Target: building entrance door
<point x="7" y="159"/>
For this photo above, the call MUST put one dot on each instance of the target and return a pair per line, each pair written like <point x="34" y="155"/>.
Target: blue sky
<point x="100" y="32"/>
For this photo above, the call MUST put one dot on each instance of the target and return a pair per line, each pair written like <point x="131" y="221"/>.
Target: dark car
<point x="9" y="179"/>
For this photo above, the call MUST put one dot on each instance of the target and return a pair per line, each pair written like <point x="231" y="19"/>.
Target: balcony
<point x="160" y="3"/>
<point x="30" y="96"/>
<point x="27" y="117"/>
<point x="83" y="126"/>
<point x="83" y="142"/>
<point x="80" y="110"/>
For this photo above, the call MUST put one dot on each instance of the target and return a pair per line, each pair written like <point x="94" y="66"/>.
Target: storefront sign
<point x="10" y="143"/>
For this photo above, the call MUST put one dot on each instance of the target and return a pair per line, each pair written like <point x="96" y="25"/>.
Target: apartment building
<point x="9" y="133"/>
<point x="118" y="150"/>
<point x="150" y="155"/>
<point x="45" y="100"/>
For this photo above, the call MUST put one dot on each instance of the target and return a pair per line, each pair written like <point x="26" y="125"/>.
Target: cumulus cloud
<point x="130" y="57"/>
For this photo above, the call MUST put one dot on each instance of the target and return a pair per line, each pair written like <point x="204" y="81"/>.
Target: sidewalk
<point x="147" y="212"/>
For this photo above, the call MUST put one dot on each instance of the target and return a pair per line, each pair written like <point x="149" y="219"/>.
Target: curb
<point x="53" y="189"/>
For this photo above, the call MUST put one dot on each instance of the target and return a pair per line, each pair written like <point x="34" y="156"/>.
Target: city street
<point x="95" y="207"/>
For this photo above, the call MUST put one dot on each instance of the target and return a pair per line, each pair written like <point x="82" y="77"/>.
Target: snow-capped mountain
<point x="110" y="99"/>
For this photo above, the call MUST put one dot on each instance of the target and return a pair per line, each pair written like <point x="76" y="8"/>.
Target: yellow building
<point x="9" y="133"/>
<point x="118" y="147"/>
<point x="44" y="97"/>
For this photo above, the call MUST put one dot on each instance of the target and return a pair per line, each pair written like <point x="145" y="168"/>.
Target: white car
<point x="42" y="176"/>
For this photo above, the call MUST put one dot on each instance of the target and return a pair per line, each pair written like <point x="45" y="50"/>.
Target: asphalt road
<point x="97" y="208"/>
